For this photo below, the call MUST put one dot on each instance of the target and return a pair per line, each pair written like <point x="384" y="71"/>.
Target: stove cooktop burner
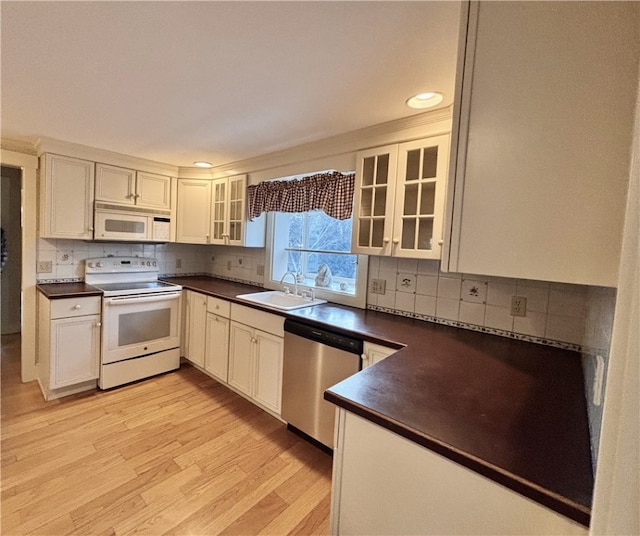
<point x="133" y="286"/>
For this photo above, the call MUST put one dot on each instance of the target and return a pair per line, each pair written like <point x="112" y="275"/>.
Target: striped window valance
<point x="331" y="192"/>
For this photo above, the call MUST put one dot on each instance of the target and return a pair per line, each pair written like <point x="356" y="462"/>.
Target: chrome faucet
<point x="295" y="283"/>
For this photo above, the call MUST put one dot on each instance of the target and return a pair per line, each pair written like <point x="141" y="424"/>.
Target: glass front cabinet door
<point x="399" y="202"/>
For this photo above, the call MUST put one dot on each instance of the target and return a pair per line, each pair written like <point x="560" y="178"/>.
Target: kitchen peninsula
<point x="511" y="411"/>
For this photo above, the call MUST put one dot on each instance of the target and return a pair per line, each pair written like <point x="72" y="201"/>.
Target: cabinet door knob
<point x="396" y="241"/>
<point x="440" y="242"/>
<point x="77" y="306"/>
<point x="385" y="240"/>
<point x="98" y="324"/>
<point x="90" y="228"/>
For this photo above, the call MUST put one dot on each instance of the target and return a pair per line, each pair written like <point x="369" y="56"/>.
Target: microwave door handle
<point x="143" y="299"/>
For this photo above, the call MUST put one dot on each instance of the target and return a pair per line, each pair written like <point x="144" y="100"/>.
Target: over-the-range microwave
<point x="116" y="222"/>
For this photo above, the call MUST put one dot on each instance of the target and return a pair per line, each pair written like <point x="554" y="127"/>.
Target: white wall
<point x="616" y="505"/>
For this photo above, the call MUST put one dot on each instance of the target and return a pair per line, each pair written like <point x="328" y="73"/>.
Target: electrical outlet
<point x="378" y="286"/>
<point x="45" y="267"/>
<point x="260" y="269"/>
<point x="229" y="265"/>
<point x="178" y="263"/>
<point x="518" y="306"/>
<point x="239" y="261"/>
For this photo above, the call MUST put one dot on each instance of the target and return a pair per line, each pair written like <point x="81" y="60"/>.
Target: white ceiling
<point x="177" y="82"/>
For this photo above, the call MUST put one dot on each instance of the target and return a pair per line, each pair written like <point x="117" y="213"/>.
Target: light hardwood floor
<point x="176" y="454"/>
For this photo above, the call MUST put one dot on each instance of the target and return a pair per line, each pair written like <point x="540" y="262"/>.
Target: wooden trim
<point x="29" y="166"/>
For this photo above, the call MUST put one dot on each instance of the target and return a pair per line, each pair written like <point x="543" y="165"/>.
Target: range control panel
<point x="106" y="265"/>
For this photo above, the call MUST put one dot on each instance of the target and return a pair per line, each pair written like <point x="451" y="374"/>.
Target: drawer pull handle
<point x="77" y="306"/>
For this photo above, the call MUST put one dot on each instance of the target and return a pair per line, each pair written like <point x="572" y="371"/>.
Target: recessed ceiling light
<point x="203" y="164"/>
<point x="425" y="100"/>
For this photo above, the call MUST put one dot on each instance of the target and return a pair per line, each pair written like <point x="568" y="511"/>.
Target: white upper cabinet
<point x="152" y="190"/>
<point x="214" y="212"/>
<point x="542" y="129"/>
<point x="129" y="187"/>
<point x="66" y="197"/>
<point x="399" y="199"/>
<point x="228" y="218"/>
<point x="194" y="211"/>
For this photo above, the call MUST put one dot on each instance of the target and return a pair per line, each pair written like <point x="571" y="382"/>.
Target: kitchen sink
<point x="280" y="300"/>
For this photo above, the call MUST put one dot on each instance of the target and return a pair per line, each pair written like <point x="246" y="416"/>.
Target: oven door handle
<point x="142" y="299"/>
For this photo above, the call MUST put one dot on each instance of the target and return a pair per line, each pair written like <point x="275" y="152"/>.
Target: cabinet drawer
<point x="218" y="306"/>
<point x="258" y="319"/>
<point x="69" y="307"/>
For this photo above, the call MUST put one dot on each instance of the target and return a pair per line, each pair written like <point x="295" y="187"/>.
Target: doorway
<point x="25" y="163"/>
<point x="11" y="260"/>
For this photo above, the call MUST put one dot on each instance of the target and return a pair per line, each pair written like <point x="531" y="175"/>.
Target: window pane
<point x="408" y="233"/>
<point x="378" y="233"/>
<point x="410" y="200"/>
<point x="381" y="201"/>
<point x="428" y="198"/>
<point x="382" y="170"/>
<point x="430" y="162"/>
<point x="367" y="171"/>
<point x="425" y="236"/>
<point x="413" y="165"/>
<point x="363" y="233"/>
<point x="366" y="202"/>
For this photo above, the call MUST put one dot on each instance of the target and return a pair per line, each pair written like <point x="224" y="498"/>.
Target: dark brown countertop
<point x="510" y="410"/>
<point x="55" y="291"/>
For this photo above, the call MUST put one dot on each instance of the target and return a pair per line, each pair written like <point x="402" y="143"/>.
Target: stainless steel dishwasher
<point x="315" y="359"/>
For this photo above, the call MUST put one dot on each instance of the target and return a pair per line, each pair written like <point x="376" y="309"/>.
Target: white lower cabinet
<point x="255" y="356"/>
<point x="373" y="353"/>
<point x="68" y="345"/>
<point x="196" y="309"/>
<point x="416" y="491"/>
<point x="239" y="346"/>
<point x="216" y="357"/>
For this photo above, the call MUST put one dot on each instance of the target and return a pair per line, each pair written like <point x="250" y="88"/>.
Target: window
<point x="316" y="249"/>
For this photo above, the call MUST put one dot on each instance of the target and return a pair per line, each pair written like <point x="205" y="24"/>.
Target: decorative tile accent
<point x="406" y="282"/>
<point x="473" y="291"/>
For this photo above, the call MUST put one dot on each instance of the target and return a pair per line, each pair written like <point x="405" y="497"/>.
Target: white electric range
<point x="140" y="319"/>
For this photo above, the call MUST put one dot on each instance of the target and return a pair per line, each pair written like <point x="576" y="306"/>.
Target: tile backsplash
<point x="577" y="316"/>
<point x="555" y="313"/>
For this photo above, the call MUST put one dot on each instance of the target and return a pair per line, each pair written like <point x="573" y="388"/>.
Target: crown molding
<point x="18" y="146"/>
<point x="76" y="150"/>
<point x="416" y="126"/>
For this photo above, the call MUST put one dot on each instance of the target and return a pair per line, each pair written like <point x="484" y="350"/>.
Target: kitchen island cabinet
<point x="544" y="109"/>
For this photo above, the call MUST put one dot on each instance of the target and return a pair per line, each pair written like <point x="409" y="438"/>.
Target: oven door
<point x="134" y="326"/>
